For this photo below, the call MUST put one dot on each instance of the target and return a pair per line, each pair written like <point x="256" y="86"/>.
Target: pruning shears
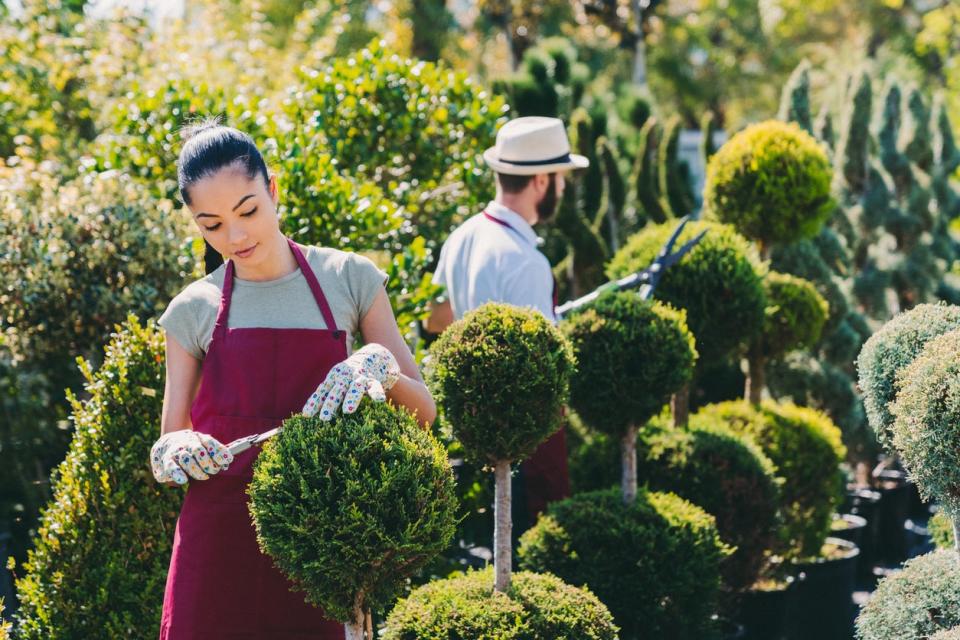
<point x="647" y="279"/>
<point x="242" y="444"/>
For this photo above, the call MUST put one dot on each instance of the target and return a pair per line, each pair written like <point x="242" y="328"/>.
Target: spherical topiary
<point x="917" y="602"/>
<point x="655" y="563"/>
<point x="941" y="530"/>
<point x="795" y="314"/>
<point x="501" y="375"/>
<point x="351" y="507"/>
<point x="891" y="349"/>
<point x="806" y="449"/>
<point x="631" y="355"/>
<point x="925" y="413"/>
<point x="771" y="181"/>
<point x="725" y="474"/>
<point x="718" y="283"/>
<point x="465" y="606"/>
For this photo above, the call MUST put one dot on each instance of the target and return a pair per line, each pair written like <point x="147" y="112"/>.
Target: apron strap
<point x="223" y="314"/>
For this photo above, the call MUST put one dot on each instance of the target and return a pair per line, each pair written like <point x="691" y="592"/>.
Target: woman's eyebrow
<point x="242" y="200"/>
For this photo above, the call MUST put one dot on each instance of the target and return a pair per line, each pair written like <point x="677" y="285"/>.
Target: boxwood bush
<point x="718" y="284"/>
<point x="891" y="349"/>
<point x="465" y="606"/>
<point x="99" y="563"/>
<point x="917" y="602"/>
<point x="925" y="413"/>
<point x="806" y="450"/>
<point x="381" y="501"/>
<point x="655" y="563"/>
<point x="725" y="474"/>
<point x="772" y="182"/>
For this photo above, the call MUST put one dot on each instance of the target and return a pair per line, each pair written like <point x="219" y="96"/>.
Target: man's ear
<point x="541" y="183"/>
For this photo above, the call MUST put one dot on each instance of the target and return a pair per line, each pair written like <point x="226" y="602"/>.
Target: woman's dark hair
<point x="210" y="146"/>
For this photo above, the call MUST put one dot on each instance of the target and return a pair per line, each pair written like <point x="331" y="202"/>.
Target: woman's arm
<point x="183" y="380"/>
<point x="380" y="326"/>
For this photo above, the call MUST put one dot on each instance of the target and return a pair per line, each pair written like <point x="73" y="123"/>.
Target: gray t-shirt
<point x="349" y="281"/>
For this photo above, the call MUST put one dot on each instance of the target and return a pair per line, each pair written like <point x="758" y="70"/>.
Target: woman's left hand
<point x="370" y="371"/>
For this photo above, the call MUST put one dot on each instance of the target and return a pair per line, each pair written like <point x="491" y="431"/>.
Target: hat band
<point x="533" y="163"/>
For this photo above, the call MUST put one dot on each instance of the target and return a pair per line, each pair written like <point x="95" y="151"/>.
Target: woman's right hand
<point x="179" y="453"/>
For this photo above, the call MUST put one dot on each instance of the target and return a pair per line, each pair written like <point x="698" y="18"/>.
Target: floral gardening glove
<point x="372" y="371"/>
<point x="179" y="453"/>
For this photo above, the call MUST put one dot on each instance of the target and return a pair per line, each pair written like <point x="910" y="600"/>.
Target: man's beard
<point x="547" y="207"/>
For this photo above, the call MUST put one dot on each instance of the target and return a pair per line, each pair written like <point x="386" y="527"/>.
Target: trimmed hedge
<point x="381" y="501"/>
<point x="466" y="606"/>
<point x="99" y="564"/>
<point x="772" y="182"/>
<point x="654" y="563"/>
<point x="501" y="375"/>
<point x="917" y="602"/>
<point x="718" y="284"/>
<point x="794" y="317"/>
<point x="806" y="450"/>
<point x="725" y="474"/>
<point x="925" y="417"/>
<point x="631" y="356"/>
<point x="891" y="349"/>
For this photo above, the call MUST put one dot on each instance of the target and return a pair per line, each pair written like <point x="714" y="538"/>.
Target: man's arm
<point x="441" y="316"/>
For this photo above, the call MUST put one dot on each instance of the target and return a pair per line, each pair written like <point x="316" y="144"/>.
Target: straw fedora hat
<point x="532" y="145"/>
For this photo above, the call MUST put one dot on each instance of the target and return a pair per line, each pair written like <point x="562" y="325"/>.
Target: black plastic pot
<point x="822" y="606"/>
<point x="919" y="540"/>
<point x="866" y="504"/>
<point x="852" y="530"/>
<point x="764" y="613"/>
<point x="730" y="630"/>
<point x="894" y="508"/>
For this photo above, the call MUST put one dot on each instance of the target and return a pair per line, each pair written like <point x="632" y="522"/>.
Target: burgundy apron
<point x="544" y="474"/>
<point x="219" y="585"/>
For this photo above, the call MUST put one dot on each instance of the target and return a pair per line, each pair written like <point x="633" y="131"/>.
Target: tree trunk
<point x="502" y="528"/>
<point x="639" y="47"/>
<point x="354" y="630"/>
<point x="680" y="407"/>
<point x="756" y="376"/>
<point x="956" y="533"/>
<point x="628" y="464"/>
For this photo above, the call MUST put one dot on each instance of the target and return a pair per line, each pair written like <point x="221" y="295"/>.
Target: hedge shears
<point x="647" y="279"/>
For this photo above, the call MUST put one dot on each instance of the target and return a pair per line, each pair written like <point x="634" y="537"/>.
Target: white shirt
<point x="486" y="261"/>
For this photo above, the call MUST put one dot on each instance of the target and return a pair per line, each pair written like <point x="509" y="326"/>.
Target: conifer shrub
<point x="350" y="508"/>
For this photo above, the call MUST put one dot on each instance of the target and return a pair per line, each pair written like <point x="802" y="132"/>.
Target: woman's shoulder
<point x="325" y="260"/>
<point x="202" y="292"/>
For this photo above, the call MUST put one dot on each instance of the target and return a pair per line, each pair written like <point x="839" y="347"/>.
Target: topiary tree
<point x="892" y="348"/>
<point x="725" y="474"/>
<point x="795" y="99"/>
<point x="772" y="182"/>
<point x="632" y="355"/>
<point x="463" y="606"/>
<point x="794" y="317"/>
<point x="718" y="284"/>
<point x="100" y="558"/>
<point x="655" y="563"/>
<point x="806" y="450"/>
<point x="917" y="602"/>
<point x="380" y="501"/>
<point x="925" y="413"/>
<point x="501" y="375"/>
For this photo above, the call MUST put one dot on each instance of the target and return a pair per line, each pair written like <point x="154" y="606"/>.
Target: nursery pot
<point x="763" y="612"/>
<point x="894" y="509"/>
<point x="865" y="503"/>
<point x="919" y="540"/>
<point x="823" y="605"/>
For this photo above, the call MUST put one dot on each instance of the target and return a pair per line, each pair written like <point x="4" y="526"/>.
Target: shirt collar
<point x="515" y="220"/>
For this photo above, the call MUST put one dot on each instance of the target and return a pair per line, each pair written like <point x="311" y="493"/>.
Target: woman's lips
<point x="246" y="252"/>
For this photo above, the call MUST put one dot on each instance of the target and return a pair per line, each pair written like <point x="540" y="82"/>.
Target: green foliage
<point x="949" y="634"/>
<point x="890" y="350"/>
<point x="915" y="603"/>
<point x="415" y="129"/>
<point x="466" y="606"/>
<point x="501" y="375"/>
<point x="794" y="316"/>
<point x="381" y="501"/>
<point x="772" y="181"/>
<point x="795" y="99"/>
<point x="806" y="450"/>
<point x="673" y="180"/>
<point x="631" y="356"/>
<point x="718" y="283"/>
<point x="100" y="559"/>
<point x="725" y="474"/>
<point x="941" y="530"/>
<point x="4" y="625"/>
<point x="925" y="413"/>
<point x="654" y="563"/>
